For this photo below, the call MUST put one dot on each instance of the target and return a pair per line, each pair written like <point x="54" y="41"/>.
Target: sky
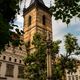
<point x="59" y="29"/>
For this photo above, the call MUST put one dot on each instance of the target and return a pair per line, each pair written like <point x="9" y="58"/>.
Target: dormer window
<point x="29" y="20"/>
<point x="43" y="20"/>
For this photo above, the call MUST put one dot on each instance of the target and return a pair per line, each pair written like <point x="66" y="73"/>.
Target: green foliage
<point x="36" y="62"/>
<point x="8" y="10"/>
<point x="37" y="40"/>
<point x="65" y="9"/>
<point x="55" y="47"/>
<point x="71" y="45"/>
<point x="57" y="74"/>
<point x="65" y="62"/>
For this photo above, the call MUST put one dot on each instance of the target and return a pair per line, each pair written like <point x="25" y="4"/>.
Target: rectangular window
<point x="20" y="72"/>
<point x="9" y="70"/>
<point x="76" y="77"/>
<point x="69" y="77"/>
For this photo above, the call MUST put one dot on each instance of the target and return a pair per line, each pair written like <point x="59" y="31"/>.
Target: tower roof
<point x="37" y="1"/>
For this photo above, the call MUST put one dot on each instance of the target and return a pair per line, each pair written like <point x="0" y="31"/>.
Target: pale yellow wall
<point x="36" y="23"/>
<point x="48" y="25"/>
<point x="28" y="30"/>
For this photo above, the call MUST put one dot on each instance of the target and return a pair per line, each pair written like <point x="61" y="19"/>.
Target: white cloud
<point x="19" y="21"/>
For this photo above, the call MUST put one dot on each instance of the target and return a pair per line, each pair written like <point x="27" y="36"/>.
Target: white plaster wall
<point x="3" y="69"/>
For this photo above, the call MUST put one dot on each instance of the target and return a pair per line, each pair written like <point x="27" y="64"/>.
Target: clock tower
<point x="37" y="18"/>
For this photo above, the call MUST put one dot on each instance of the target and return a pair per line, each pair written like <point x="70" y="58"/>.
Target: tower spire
<point x="37" y="1"/>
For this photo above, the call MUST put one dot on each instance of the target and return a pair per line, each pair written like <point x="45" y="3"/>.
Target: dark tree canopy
<point x="65" y="9"/>
<point x="8" y="10"/>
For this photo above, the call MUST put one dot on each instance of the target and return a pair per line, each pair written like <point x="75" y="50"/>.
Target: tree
<point x="35" y="62"/>
<point x="65" y="9"/>
<point x="8" y="10"/>
<point x="66" y="62"/>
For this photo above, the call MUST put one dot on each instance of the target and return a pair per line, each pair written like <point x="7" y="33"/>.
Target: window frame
<point x="9" y="70"/>
<point x="20" y="71"/>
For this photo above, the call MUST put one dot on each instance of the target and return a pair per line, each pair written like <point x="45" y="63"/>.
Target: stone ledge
<point x="3" y="78"/>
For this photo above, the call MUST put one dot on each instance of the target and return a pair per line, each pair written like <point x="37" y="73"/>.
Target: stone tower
<point x="37" y="18"/>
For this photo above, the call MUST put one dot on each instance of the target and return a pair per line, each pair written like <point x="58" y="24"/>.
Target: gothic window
<point x="20" y="71"/>
<point x="29" y="43"/>
<point x="43" y="20"/>
<point x="9" y="70"/>
<point x="29" y="20"/>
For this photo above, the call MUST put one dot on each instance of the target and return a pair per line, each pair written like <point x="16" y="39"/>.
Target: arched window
<point x="43" y="20"/>
<point x="29" y="21"/>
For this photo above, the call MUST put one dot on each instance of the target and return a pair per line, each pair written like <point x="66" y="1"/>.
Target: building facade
<point x="11" y="64"/>
<point x="74" y="75"/>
